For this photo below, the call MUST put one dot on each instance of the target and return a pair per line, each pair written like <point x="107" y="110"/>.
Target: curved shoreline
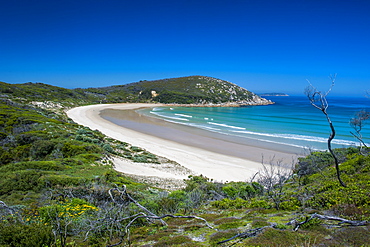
<point x="220" y="166"/>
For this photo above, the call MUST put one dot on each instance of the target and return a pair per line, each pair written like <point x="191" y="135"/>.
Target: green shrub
<point x="5" y="156"/>
<point x="21" y="153"/>
<point x="23" y="180"/>
<point x="35" y="165"/>
<point x="70" y="149"/>
<point x="222" y="235"/>
<point x="41" y="148"/>
<point x="350" y="211"/>
<point x="62" y="180"/>
<point x="313" y="163"/>
<point x="22" y="235"/>
<point x="168" y="205"/>
<point x="242" y="189"/>
<point x="226" y="203"/>
<point x="108" y="148"/>
<point x="258" y="203"/>
<point x="178" y="195"/>
<point x="90" y="157"/>
<point x="199" y="182"/>
<point x="276" y="237"/>
<point x="290" y="204"/>
<point x="311" y="224"/>
<point x="177" y="240"/>
<point x="230" y="191"/>
<point x="140" y="159"/>
<point x="257" y="223"/>
<point x="136" y="149"/>
<point x="228" y="223"/>
<point x="3" y="135"/>
<point x="71" y="210"/>
<point x="349" y="236"/>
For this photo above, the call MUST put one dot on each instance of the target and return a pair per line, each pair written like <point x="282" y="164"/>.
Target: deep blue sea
<point x="291" y="121"/>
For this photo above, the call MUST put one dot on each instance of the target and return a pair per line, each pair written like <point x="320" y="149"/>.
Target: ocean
<point x="290" y="121"/>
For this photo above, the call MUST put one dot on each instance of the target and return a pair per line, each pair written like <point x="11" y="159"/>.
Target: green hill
<point x="39" y="92"/>
<point x="183" y="90"/>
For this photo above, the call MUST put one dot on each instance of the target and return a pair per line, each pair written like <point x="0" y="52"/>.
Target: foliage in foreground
<point x="39" y="149"/>
<point x="56" y="190"/>
<point x="90" y="215"/>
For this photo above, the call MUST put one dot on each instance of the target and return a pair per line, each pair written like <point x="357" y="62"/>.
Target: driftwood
<point x="142" y="215"/>
<point x="247" y="234"/>
<point x="326" y="217"/>
<point x="147" y="214"/>
<point x="254" y="232"/>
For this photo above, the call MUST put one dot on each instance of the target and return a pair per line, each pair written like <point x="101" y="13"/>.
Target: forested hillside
<point x="183" y="90"/>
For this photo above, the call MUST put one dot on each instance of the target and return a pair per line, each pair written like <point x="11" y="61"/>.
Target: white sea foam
<point x="169" y="117"/>
<point x="206" y="127"/>
<point x="225" y="125"/>
<point x="283" y="143"/>
<point x="183" y="115"/>
<point x="299" y="138"/>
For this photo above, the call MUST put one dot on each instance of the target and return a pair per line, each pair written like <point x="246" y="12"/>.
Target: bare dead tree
<point x="357" y="123"/>
<point x="318" y="100"/>
<point x="116" y="220"/>
<point x="272" y="177"/>
<point x="126" y="196"/>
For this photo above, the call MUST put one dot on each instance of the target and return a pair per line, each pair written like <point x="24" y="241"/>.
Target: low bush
<point x="221" y="236"/>
<point x="226" y="203"/>
<point x="177" y="240"/>
<point x="25" y="235"/>
<point x="276" y="237"/>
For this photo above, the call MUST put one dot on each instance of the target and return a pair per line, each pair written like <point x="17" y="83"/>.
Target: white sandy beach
<point x="199" y="161"/>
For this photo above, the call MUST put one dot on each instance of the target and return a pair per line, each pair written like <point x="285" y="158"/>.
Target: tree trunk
<point x="331" y="137"/>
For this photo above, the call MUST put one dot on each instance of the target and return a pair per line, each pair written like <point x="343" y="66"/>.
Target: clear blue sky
<point x="264" y="46"/>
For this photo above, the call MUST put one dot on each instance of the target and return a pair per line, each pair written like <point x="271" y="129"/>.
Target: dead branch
<point x="148" y="215"/>
<point x="3" y="205"/>
<point x="254" y="176"/>
<point x="357" y="123"/>
<point x="142" y="215"/>
<point x="184" y="217"/>
<point x="247" y="234"/>
<point x="334" y="218"/>
<point x="254" y="232"/>
<point x="123" y="194"/>
<point x="272" y="177"/>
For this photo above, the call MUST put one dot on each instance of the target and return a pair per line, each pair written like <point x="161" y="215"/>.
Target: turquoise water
<point x="291" y="121"/>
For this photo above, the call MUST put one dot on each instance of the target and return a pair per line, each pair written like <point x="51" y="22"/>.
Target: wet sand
<point x="213" y="155"/>
<point x="253" y="150"/>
